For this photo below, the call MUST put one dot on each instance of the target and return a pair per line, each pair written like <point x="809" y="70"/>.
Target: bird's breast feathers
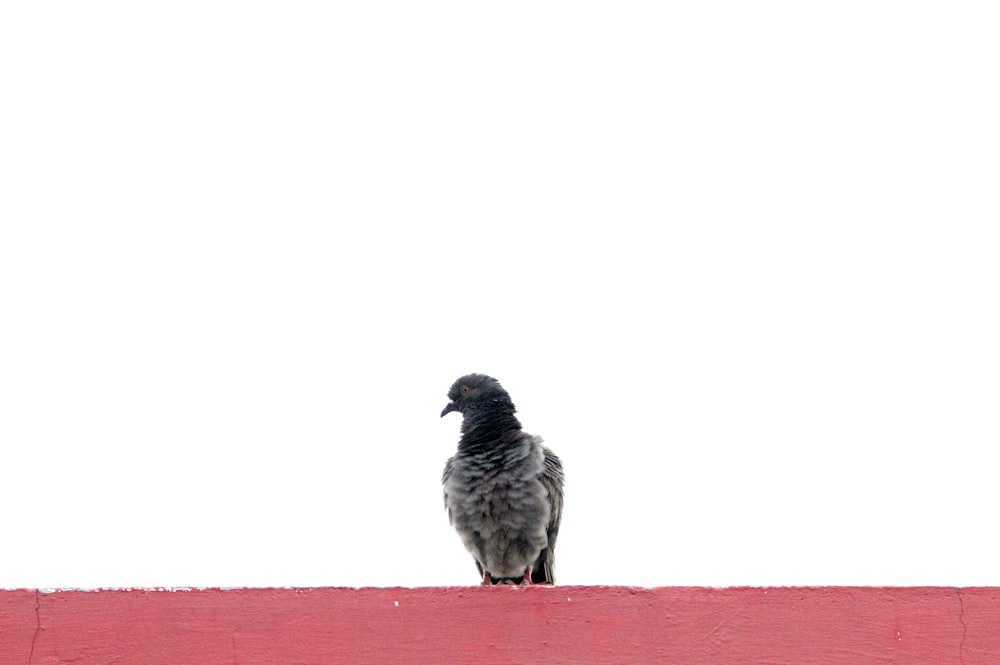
<point x="479" y="489"/>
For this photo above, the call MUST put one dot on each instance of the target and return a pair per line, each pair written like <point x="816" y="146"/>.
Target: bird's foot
<point x="487" y="580"/>
<point x="527" y="578"/>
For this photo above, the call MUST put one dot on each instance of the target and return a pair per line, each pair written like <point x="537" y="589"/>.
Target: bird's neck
<point x="481" y="429"/>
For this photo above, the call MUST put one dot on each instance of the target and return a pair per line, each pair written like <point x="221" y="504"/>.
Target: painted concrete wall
<point x="850" y="625"/>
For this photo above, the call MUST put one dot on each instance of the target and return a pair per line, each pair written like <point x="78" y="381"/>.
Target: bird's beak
<point x="448" y="409"/>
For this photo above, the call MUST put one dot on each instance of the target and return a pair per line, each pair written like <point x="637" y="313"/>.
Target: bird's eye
<point x="465" y="390"/>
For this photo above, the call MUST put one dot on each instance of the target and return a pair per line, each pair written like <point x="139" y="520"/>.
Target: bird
<point x="503" y="489"/>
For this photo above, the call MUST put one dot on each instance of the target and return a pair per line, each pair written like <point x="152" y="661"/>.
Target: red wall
<point x="548" y="625"/>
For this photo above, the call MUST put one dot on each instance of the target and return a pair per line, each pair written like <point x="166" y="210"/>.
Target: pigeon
<point x="503" y="490"/>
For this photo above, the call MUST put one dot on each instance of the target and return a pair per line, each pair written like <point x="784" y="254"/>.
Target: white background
<point x="736" y="262"/>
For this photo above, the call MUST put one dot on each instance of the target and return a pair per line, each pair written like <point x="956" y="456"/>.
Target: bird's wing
<point x="448" y="468"/>
<point x="543" y="571"/>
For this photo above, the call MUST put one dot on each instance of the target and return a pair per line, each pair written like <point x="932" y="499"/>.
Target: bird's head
<point x="475" y="392"/>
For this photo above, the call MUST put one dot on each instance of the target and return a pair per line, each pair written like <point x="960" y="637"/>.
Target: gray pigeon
<point x="503" y="489"/>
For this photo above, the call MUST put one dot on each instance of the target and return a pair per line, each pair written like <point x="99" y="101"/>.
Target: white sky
<point x="736" y="262"/>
